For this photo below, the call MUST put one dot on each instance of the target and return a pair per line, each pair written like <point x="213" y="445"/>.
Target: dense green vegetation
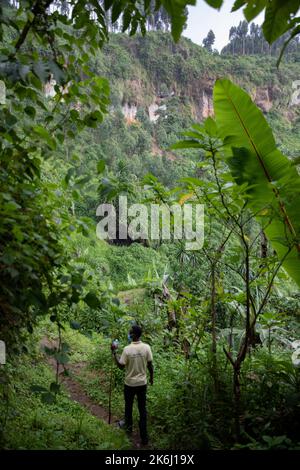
<point x="64" y="425"/>
<point x="222" y="321"/>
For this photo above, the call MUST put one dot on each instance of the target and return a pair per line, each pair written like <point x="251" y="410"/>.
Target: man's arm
<point x="117" y="360"/>
<point x="151" y="370"/>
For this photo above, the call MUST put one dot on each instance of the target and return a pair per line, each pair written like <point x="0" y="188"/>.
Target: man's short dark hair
<point x="136" y="331"/>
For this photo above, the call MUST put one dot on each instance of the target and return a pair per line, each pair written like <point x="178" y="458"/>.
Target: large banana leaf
<point x="274" y="184"/>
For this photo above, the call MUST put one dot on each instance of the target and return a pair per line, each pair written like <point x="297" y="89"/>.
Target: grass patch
<point x="27" y="423"/>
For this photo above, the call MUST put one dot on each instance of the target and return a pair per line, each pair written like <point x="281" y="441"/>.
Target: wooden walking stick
<point x="114" y="346"/>
<point x="110" y="392"/>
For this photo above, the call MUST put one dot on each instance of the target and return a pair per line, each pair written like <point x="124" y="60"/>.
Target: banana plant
<point x="273" y="183"/>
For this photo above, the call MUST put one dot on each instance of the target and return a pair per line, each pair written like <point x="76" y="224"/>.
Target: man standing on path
<point x="135" y="358"/>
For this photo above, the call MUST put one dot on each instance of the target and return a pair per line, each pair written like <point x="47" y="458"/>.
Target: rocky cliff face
<point x="263" y="98"/>
<point x="147" y="72"/>
<point x="201" y="101"/>
<point x="130" y="110"/>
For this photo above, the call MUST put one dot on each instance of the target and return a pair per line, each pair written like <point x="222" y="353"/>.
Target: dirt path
<point x="78" y="394"/>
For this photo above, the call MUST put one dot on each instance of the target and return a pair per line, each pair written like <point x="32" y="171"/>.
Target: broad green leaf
<point x="185" y="144"/>
<point x="252" y="9"/>
<point x="44" y="134"/>
<point x="273" y="182"/>
<point x="210" y="127"/>
<point x="296" y="161"/>
<point x="214" y="3"/>
<point x="192" y="181"/>
<point x="108" y="4"/>
<point x="116" y="10"/>
<point x="92" y="300"/>
<point x="176" y="11"/>
<point x="65" y="347"/>
<point x="278" y="15"/>
<point x="193" y="135"/>
<point x="126" y="19"/>
<point x="62" y="358"/>
<point x="30" y="111"/>
<point x="238" y="4"/>
<point x="100" y="166"/>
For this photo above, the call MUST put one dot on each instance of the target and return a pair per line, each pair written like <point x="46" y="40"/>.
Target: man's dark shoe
<point x="122" y="425"/>
<point x="145" y="442"/>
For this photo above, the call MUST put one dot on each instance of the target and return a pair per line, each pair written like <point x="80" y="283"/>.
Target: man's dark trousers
<point x="129" y="394"/>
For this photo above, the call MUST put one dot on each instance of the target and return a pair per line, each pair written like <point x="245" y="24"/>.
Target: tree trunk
<point x="237" y="400"/>
<point x="263" y="245"/>
<point x="213" y="308"/>
<point x="213" y="327"/>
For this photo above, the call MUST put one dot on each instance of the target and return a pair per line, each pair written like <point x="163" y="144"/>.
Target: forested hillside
<point x="159" y="88"/>
<point x="160" y="123"/>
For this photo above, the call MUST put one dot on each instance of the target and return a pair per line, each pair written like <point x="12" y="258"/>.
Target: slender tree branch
<point x="38" y="8"/>
<point x="271" y="282"/>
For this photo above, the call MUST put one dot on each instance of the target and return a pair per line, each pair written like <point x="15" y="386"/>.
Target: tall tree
<point x="242" y="31"/>
<point x="209" y="41"/>
<point x="232" y="37"/>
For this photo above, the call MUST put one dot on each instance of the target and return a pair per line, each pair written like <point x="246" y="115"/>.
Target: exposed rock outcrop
<point x="129" y="111"/>
<point x="263" y="98"/>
